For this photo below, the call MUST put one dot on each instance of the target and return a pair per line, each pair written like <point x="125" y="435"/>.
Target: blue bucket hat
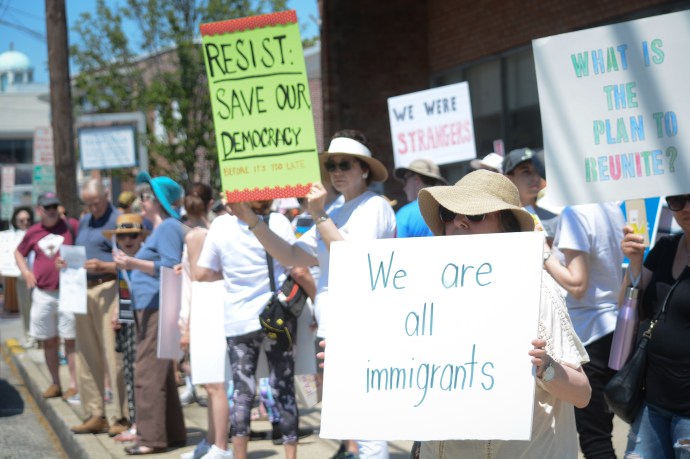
<point x="167" y="191"/>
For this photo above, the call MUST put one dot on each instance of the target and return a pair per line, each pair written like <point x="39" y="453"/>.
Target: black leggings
<point x="595" y="421"/>
<point x="244" y="356"/>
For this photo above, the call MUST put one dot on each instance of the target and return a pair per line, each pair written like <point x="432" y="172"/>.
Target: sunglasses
<point x="145" y="196"/>
<point x="51" y="207"/>
<point x="676" y="203"/>
<point x="23" y="220"/>
<point x="127" y="236"/>
<point x="448" y="216"/>
<point x="344" y="166"/>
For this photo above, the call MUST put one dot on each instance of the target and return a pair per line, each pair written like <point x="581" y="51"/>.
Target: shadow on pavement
<point x="11" y="403"/>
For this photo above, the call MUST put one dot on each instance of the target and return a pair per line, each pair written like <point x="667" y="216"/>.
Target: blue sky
<point x="29" y="26"/>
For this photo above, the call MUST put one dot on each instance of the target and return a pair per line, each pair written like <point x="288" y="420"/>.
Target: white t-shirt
<point x="232" y="249"/>
<point x="596" y="229"/>
<point x="553" y="421"/>
<point x="368" y="216"/>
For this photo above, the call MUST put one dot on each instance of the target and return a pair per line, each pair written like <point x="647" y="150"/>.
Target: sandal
<point x="140" y="450"/>
<point x="126" y="436"/>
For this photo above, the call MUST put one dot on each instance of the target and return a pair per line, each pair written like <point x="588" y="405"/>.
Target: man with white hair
<point x="95" y="335"/>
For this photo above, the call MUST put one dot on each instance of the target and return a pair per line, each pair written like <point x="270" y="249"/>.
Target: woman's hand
<point x="540" y="358"/>
<point x="633" y="248"/>
<point x="316" y="200"/>
<point x="244" y="212"/>
<point x="121" y="260"/>
<point x="184" y="341"/>
<point x="177" y="269"/>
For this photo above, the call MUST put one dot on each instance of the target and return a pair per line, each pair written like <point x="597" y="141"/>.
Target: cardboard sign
<point x="432" y="329"/>
<point x="613" y="102"/>
<point x="434" y="124"/>
<point x="261" y="107"/>
<point x="170" y="301"/>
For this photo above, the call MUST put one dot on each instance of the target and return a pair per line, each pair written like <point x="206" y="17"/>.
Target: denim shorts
<point x="658" y="433"/>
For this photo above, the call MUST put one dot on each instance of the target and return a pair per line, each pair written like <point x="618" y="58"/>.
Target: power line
<point x="38" y="35"/>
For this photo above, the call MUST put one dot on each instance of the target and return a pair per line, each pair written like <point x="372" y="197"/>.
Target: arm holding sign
<point x="633" y="248"/>
<point x="568" y="384"/>
<point x="574" y="276"/>
<point x="287" y="254"/>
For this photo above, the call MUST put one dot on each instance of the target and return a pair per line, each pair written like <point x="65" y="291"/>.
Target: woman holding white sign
<point x="364" y="215"/>
<point x="485" y="202"/>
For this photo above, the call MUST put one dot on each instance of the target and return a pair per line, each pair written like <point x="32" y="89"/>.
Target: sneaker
<point x="277" y="436"/>
<point x="74" y="399"/>
<point x="53" y="391"/>
<point x="187" y="397"/>
<point x="69" y="393"/>
<point x="217" y="453"/>
<point x="30" y="343"/>
<point x="119" y="426"/>
<point x="93" y="425"/>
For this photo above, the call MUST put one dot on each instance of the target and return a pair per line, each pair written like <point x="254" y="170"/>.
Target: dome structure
<point x="14" y="61"/>
<point x="15" y="70"/>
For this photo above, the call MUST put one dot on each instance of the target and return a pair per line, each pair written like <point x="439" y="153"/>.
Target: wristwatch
<point x="549" y="372"/>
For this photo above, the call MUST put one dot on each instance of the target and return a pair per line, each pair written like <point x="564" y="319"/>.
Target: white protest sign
<point x="73" y="279"/>
<point x="207" y="344"/>
<point x="434" y="124"/>
<point x="432" y="338"/>
<point x="613" y="102"/>
<point x="169" y="304"/>
<point x="108" y="147"/>
<point x="9" y="240"/>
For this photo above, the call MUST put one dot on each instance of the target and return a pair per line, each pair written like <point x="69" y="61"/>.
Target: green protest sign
<point x="261" y="107"/>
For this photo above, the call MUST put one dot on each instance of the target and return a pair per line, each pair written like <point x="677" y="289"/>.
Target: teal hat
<point x="167" y="191"/>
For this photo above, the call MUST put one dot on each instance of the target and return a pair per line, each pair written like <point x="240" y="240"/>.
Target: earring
<point x="365" y="175"/>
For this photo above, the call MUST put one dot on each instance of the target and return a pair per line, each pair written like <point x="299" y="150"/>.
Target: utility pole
<point x="61" y="106"/>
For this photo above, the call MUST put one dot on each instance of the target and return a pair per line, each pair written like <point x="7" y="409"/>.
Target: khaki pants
<point x="96" y="352"/>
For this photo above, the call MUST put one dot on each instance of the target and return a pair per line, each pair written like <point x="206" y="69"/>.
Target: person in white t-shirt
<point x="364" y="215"/>
<point x="233" y="253"/>
<point x="588" y="265"/>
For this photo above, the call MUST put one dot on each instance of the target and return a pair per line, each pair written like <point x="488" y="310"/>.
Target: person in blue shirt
<point x="160" y="423"/>
<point x="419" y="174"/>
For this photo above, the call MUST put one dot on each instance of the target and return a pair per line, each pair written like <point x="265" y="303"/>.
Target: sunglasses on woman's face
<point x="676" y="203"/>
<point x="344" y="166"/>
<point x="448" y="216"/>
<point x="145" y="196"/>
<point x="128" y="236"/>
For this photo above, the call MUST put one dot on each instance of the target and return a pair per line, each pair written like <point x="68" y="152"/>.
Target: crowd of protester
<point x="248" y="248"/>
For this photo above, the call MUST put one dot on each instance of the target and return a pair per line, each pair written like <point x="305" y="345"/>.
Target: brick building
<point x="374" y="50"/>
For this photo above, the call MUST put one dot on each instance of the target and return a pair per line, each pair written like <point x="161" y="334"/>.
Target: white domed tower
<point x="15" y="69"/>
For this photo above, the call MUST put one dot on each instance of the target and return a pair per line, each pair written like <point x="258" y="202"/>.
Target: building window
<point x="16" y="151"/>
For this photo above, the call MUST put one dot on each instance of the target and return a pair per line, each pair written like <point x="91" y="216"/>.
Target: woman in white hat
<point x="485" y="202"/>
<point x="363" y="215"/>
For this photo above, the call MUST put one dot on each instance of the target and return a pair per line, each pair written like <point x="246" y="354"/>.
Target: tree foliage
<point x="146" y="55"/>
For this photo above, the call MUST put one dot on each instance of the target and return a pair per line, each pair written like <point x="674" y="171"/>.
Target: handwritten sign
<point x="434" y="124"/>
<point x="614" y="101"/>
<point x="107" y="147"/>
<point x="432" y="329"/>
<point x="261" y="107"/>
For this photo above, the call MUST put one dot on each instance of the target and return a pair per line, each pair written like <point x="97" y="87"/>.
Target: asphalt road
<point x="25" y="432"/>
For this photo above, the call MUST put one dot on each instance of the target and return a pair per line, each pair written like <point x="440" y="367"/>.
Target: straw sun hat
<point x="126" y="224"/>
<point x="351" y="147"/>
<point x="479" y="192"/>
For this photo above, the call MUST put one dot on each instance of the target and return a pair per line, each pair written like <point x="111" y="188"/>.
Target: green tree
<point x="164" y="73"/>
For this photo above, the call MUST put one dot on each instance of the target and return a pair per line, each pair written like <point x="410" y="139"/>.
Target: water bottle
<point x="624" y="338"/>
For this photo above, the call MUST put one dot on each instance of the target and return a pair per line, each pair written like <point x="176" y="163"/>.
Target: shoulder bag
<point x="624" y="393"/>
<point x="279" y="316"/>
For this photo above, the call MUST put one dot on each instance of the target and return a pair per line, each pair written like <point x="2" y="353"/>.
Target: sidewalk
<point x="61" y="415"/>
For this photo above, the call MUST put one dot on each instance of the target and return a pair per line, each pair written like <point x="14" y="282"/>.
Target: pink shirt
<point x="46" y="243"/>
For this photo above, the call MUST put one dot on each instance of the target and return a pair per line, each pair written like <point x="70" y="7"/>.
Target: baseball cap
<point x="48" y="199"/>
<point x="517" y="157"/>
<point x="492" y="161"/>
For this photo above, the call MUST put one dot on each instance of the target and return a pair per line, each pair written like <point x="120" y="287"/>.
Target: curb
<point x="55" y="411"/>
